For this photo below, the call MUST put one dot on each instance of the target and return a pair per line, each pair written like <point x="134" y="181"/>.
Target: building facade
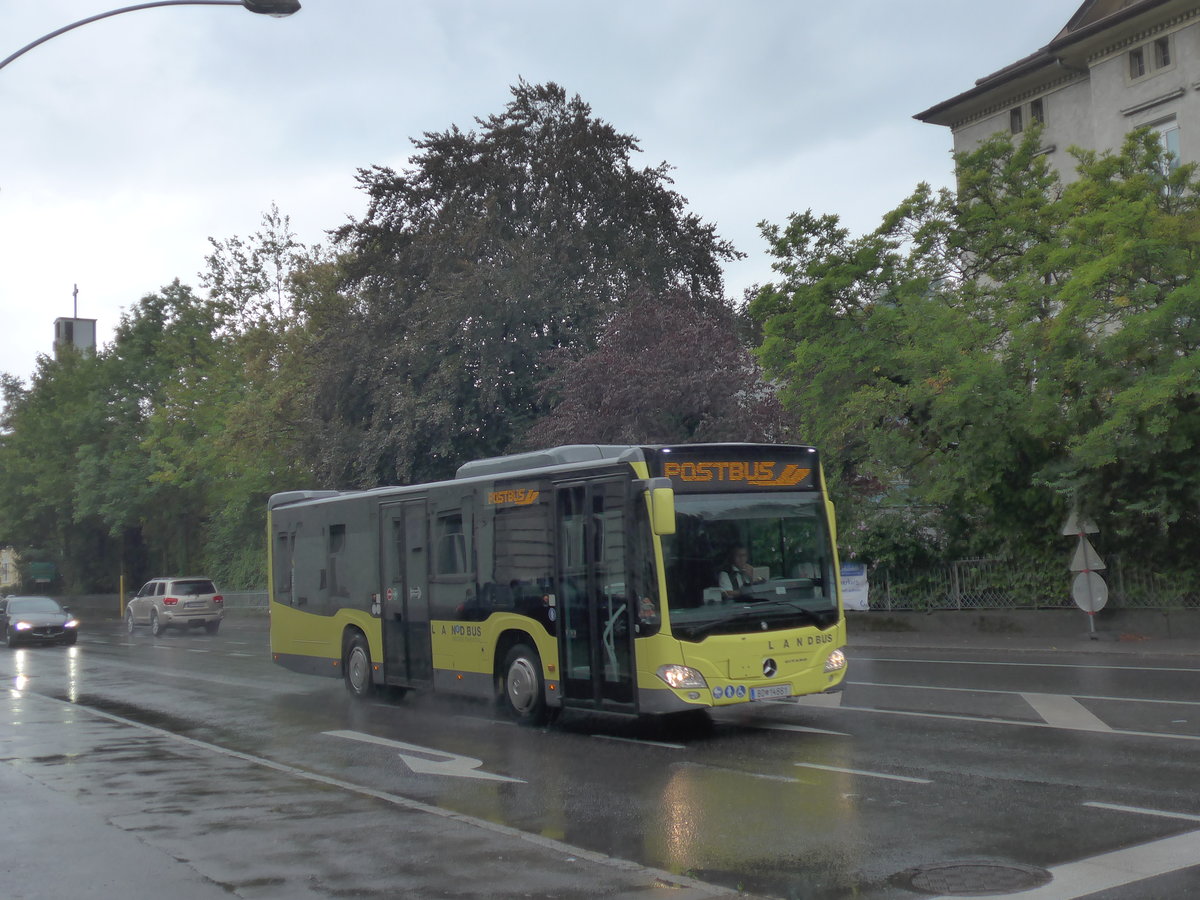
<point x="78" y="334"/>
<point x="1116" y="65"/>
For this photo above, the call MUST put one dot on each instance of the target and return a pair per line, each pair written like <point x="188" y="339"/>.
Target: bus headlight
<point x="682" y="677"/>
<point x="836" y="661"/>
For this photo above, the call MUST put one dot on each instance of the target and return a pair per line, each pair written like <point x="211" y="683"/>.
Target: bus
<point x="589" y="577"/>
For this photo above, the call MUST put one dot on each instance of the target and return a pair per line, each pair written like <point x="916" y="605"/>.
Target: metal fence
<point x="108" y="606"/>
<point x="248" y="600"/>
<point x="1004" y="584"/>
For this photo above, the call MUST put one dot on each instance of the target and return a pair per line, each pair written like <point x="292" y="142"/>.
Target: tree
<point x="43" y="426"/>
<point x="663" y="371"/>
<point x="994" y="358"/>
<point x="262" y="290"/>
<point x="493" y="249"/>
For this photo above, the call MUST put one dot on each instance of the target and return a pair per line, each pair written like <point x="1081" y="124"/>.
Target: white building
<point x="77" y="333"/>
<point x="9" y="573"/>
<point x="1115" y="66"/>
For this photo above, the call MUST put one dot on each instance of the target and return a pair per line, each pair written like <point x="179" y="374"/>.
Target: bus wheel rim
<point x="522" y="685"/>
<point x="358" y="669"/>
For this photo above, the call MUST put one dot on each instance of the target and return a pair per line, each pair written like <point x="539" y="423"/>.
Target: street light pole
<point x="276" y="8"/>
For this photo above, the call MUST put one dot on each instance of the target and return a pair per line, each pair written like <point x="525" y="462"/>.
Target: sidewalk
<point x="98" y="807"/>
<point x="1127" y="632"/>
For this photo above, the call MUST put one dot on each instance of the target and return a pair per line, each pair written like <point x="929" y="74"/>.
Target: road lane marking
<point x="1028" y="723"/>
<point x="1114" y="869"/>
<point x="802" y="729"/>
<point x="863" y="772"/>
<point x="625" y="740"/>
<point x="965" y="690"/>
<point x="1140" y="810"/>
<point x="728" y="771"/>
<point x="1065" y="712"/>
<point x="1028" y="665"/>
<point x="427" y="760"/>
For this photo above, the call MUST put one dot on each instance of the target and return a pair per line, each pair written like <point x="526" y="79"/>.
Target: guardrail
<point x="108" y="606"/>
<point x="1003" y="584"/>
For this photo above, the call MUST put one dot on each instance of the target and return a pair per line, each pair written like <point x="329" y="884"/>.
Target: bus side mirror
<point x="662" y="506"/>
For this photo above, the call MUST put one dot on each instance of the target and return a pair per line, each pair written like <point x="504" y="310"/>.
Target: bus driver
<point x="737" y="573"/>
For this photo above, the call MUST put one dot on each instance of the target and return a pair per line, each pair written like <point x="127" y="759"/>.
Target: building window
<point x="1137" y="62"/>
<point x="1168" y="135"/>
<point x="1015" y="123"/>
<point x="1158" y="53"/>
<point x="1162" y="52"/>
<point x="1037" y="112"/>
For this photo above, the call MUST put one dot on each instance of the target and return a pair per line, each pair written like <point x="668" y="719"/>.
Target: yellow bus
<point x="644" y="580"/>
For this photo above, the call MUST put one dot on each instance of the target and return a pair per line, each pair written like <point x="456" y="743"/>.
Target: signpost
<point x="855" y="586"/>
<point x="41" y="573"/>
<point x="1089" y="590"/>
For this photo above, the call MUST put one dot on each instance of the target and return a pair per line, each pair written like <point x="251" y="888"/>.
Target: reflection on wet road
<point x="1036" y="765"/>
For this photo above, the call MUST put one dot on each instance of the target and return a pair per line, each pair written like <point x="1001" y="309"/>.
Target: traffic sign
<point x="1089" y="592"/>
<point x="1086" y="558"/>
<point x="1076" y="525"/>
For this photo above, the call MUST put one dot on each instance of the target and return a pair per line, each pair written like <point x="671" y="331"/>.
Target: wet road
<point x="941" y="773"/>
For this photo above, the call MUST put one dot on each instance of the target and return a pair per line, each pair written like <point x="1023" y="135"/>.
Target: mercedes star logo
<point x="769" y="667"/>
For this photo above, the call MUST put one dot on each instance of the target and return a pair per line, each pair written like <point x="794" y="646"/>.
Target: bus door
<point x="595" y="633"/>
<point x="404" y="598"/>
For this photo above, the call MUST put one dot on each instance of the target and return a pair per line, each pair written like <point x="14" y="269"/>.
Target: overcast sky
<point x="125" y="144"/>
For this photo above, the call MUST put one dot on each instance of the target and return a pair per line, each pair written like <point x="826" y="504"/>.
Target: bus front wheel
<point x="524" y="690"/>
<point x="356" y="666"/>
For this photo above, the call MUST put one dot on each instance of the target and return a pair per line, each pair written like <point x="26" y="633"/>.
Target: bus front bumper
<point x="655" y="702"/>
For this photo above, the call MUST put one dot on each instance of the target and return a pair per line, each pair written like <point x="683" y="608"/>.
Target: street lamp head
<point x="277" y="8"/>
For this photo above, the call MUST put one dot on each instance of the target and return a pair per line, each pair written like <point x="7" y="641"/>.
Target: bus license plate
<point x="771" y="693"/>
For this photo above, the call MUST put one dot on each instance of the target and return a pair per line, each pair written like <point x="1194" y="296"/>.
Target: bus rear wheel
<point x="524" y="690"/>
<point x="356" y="666"/>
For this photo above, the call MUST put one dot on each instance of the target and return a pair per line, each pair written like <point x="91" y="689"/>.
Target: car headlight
<point x="836" y="661"/>
<point x="22" y="626"/>
<point x="71" y="623"/>
<point x="681" y="677"/>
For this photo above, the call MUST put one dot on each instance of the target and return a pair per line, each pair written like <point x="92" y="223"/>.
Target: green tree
<point x="151" y="406"/>
<point x="493" y="248"/>
<point x="158" y="454"/>
<point x="983" y="361"/>
<point x="42" y="427"/>
<point x="254" y="397"/>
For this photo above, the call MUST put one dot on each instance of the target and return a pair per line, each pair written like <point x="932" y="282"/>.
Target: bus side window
<point x="284" y="567"/>
<point x="337" y="549"/>
<point x="451" y="545"/>
<point x="521" y="562"/>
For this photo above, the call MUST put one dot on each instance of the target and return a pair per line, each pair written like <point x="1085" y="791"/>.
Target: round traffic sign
<point x="1089" y="592"/>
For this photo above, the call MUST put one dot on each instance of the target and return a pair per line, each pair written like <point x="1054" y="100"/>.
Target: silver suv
<point x="178" y="602"/>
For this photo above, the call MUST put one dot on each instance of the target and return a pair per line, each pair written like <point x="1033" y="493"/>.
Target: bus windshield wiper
<point x="750" y="615"/>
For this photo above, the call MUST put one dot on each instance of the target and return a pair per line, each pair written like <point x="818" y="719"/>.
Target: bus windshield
<point x="739" y="563"/>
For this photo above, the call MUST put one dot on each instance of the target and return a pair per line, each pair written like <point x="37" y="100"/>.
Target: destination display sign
<point x="515" y="496"/>
<point x="736" y="467"/>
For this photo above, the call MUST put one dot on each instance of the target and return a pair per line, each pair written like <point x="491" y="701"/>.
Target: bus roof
<point x="544" y="459"/>
<point x="538" y="462"/>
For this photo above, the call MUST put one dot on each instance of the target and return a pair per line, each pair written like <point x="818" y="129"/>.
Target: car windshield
<point x="738" y="563"/>
<point x="27" y="605"/>
<point x="194" y="588"/>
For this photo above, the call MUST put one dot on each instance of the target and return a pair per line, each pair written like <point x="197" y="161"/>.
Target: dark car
<point x="37" y="620"/>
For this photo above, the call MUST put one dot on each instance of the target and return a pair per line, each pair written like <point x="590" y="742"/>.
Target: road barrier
<point x="108" y="606"/>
